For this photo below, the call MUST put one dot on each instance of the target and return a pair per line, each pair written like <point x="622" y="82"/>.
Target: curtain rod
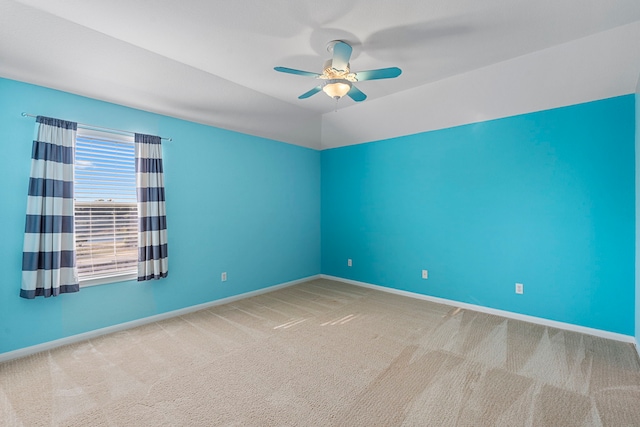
<point x="86" y="126"/>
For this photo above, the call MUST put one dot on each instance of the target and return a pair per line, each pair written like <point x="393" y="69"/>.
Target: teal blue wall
<point x="638" y="216"/>
<point x="235" y="203"/>
<point x="546" y="199"/>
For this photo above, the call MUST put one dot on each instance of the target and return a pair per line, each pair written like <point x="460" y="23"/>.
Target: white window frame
<point x="113" y="276"/>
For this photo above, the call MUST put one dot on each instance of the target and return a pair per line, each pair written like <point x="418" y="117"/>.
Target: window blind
<point x="106" y="213"/>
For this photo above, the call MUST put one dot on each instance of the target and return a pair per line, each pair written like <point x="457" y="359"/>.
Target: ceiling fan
<point x="337" y="79"/>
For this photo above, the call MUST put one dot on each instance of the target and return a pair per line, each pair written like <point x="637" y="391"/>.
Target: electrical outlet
<point x="349" y="262"/>
<point x="519" y="288"/>
<point x="425" y="274"/>
<point x="223" y="277"/>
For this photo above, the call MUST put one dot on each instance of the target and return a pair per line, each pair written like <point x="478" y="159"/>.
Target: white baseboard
<point x="508" y="314"/>
<point x="27" y="351"/>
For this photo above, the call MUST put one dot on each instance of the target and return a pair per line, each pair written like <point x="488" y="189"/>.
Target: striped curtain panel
<point x="153" y="261"/>
<point x="49" y="258"/>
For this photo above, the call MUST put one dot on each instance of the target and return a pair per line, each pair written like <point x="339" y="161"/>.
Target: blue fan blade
<point x="311" y="92"/>
<point x="297" y="72"/>
<point x="356" y="94"/>
<point x="382" y="73"/>
<point x="341" y="56"/>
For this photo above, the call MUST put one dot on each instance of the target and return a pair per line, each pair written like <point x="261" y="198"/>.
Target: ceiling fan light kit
<point x="336" y="88"/>
<point x="337" y="74"/>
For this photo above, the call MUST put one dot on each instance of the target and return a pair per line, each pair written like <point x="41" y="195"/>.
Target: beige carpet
<point x="325" y="353"/>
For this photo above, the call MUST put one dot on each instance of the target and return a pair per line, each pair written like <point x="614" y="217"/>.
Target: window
<point x="106" y="212"/>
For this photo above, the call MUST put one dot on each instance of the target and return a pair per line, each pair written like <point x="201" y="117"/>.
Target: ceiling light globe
<point x="337" y="88"/>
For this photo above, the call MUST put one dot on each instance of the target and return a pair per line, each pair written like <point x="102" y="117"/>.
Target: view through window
<point x="106" y="213"/>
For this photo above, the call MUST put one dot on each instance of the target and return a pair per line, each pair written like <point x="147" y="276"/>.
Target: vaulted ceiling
<point x="212" y="62"/>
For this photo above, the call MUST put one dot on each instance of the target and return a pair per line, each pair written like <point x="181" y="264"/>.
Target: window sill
<point x="108" y="279"/>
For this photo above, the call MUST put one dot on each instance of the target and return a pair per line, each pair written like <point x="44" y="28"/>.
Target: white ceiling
<point x="212" y="61"/>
